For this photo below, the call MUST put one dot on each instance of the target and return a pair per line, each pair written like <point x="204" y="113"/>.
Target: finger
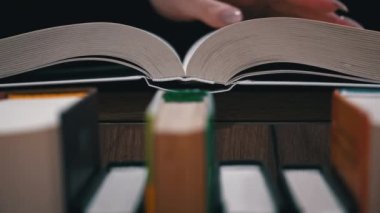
<point x="344" y="20"/>
<point x="217" y="14"/>
<point x="333" y="18"/>
<point x="322" y="6"/>
<point x="299" y="12"/>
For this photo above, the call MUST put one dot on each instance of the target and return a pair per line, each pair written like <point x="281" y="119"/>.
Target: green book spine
<point x="212" y="165"/>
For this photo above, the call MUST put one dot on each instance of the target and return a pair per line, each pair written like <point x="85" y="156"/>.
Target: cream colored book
<point x="267" y="51"/>
<point x="48" y="148"/>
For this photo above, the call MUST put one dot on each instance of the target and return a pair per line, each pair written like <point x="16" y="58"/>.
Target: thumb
<point x="216" y="14"/>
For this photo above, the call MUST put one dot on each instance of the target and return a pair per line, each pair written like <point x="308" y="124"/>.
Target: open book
<point x="269" y="51"/>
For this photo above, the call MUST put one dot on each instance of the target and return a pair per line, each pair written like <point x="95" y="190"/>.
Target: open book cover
<point x="267" y="51"/>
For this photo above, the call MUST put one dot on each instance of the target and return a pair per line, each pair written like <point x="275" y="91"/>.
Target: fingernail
<point x="231" y="16"/>
<point x="341" y="6"/>
<point x="350" y="22"/>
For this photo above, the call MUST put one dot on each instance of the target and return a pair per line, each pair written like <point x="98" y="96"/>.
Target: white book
<point x="39" y="135"/>
<point x="311" y="192"/>
<point x="122" y="190"/>
<point x="244" y="188"/>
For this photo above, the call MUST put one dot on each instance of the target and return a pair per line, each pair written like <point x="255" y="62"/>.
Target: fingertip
<point x="218" y="14"/>
<point x="349" y="22"/>
<point x="231" y="16"/>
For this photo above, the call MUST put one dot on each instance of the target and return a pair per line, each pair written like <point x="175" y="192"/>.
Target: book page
<point x="244" y="189"/>
<point x="37" y="49"/>
<point x="193" y="48"/>
<point x="121" y="191"/>
<point x="311" y="191"/>
<point x="369" y="102"/>
<point x="235" y="48"/>
<point x="222" y="57"/>
<point x="32" y="114"/>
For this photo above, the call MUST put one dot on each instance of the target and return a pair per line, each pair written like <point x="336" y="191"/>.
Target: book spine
<point x="212" y="178"/>
<point x="183" y="172"/>
<point x="149" y="196"/>
<point x="180" y="172"/>
<point x="80" y="149"/>
<point x="349" y="147"/>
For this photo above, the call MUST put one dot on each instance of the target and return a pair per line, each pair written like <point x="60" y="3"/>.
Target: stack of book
<point x="50" y="161"/>
<point x="351" y="182"/>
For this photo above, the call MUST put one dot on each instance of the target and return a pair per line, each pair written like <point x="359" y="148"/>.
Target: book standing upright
<point x="355" y="144"/>
<point x="48" y="148"/>
<point x="180" y="153"/>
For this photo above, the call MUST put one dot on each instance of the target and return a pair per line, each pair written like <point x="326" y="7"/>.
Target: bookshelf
<point x="126" y="102"/>
<point x="277" y="126"/>
<point x="274" y="126"/>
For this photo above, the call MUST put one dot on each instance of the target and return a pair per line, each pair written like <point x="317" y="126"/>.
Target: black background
<point x="23" y="16"/>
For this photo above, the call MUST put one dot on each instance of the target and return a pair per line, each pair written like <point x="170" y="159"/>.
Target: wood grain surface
<point x="125" y="142"/>
<point x="303" y="143"/>
<point x="272" y="144"/>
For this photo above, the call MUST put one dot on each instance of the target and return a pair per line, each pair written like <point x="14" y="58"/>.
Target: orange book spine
<point x="47" y="95"/>
<point x="350" y="145"/>
<point x="180" y="172"/>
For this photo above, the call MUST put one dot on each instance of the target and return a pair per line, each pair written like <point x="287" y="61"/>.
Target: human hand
<point x="221" y="13"/>
<point x="322" y="10"/>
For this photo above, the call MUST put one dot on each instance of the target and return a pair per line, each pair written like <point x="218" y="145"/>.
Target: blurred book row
<point x="50" y="160"/>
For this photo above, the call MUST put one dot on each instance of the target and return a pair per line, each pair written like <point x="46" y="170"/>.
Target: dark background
<point x="23" y="16"/>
